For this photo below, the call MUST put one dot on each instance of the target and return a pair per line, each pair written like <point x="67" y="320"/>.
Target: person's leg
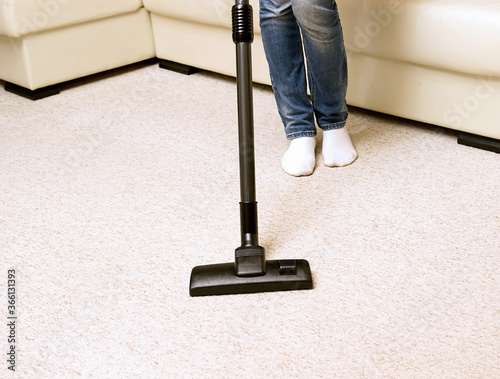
<point x="283" y="47"/>
<point x="327" y="73"/>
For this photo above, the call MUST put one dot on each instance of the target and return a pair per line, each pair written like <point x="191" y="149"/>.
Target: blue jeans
<point x="290" y="29"/>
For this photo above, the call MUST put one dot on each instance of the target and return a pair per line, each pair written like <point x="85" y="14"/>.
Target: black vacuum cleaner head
<point x="279" y="275"/>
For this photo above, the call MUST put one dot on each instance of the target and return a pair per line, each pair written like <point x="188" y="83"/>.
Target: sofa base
<point x="480" y="142"/>
<point x="178" y="67"/>
<point x="55" y="89"/>
<point x="466" y="103"/>
<point x="208" y="47"/>
<point x="36" y="94"/>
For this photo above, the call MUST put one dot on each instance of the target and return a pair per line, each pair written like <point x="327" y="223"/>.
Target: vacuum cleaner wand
<point x="250" y="272"/>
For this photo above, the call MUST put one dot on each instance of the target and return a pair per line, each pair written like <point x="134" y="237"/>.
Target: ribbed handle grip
<point x="242" y="23"/>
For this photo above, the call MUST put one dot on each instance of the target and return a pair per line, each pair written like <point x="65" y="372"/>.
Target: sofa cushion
<point x="457" y="35"/>
<point x="200" y="11"/>
<point x="20" y="17"/>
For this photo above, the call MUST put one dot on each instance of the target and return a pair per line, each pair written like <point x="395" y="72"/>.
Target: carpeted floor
<point x="112" y="191"/>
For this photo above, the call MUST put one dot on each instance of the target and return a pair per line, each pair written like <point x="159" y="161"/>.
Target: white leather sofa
<point x="434" y="61"/>
<point x="46" y="42"/>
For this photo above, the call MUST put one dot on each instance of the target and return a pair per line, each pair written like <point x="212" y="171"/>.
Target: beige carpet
<point x="112" y="191"/>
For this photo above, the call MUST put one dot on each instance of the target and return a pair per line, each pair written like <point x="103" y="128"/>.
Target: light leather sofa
<point x="434" y="61"/>
<point x="46" y="42"/>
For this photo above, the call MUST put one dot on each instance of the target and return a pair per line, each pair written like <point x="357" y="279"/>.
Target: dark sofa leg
<point x="36" y="94"/>
<point x="178" y="67"/>
<point x="480" y="142"/>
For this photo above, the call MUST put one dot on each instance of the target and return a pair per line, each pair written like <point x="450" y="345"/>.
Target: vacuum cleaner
<point x="250" y="272"/>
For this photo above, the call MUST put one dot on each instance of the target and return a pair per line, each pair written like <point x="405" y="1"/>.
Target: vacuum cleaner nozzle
<point x="221" y="279"/>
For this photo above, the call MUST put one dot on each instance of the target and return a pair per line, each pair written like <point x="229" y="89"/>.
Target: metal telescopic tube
<point x="245" y="123"/>
<point x="243" y="37"/>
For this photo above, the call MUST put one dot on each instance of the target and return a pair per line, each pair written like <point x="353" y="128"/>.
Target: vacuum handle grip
<point x="242" y="17"/>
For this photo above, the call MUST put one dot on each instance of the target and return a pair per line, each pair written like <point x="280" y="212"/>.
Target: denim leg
<point x="284" y="25"/>
<point x="283" y="48"/>
<point x="326" y="60"/>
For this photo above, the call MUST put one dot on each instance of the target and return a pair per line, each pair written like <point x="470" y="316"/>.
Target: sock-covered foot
<point x="300" y="158"/>
<point x="338" y="150"/>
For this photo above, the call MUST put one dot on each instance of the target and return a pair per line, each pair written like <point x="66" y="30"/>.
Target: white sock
<point x="300" y="158"/>
<point x="338" y="150"/>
